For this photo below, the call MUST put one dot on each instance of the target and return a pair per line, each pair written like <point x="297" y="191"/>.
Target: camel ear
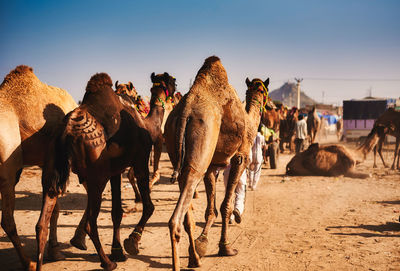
<point x="248" y="82"/>
<point x="130" y="85"/>
<point x="266" y="82"/>
<point x="116" y="85"/>
<point x="153" y="77"/>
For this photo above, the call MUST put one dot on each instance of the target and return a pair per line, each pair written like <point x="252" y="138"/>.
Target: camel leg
<point x="237" y="168"/>
<point x="379" y="149"/>
<point x="46" y="213"/>
<point x="79" y="239"/>
<point x="132" y="180"/>
<point x="187" y="189"/>
<point x="396" y="148"/>
<point x="131" y="244"/>
<point x="190" y="224"/>
<point x="375" y="150"/>
<point x="95" y="189"/>
<point x="117" y="253"/>
<point x="211" y="212"/>
<point x="8" y="222"/>
<point x="156" y="158"/>
<point x="53" y="250"/>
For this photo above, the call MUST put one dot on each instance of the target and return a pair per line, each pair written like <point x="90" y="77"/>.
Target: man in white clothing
<point x="256" y="159"/>
<point x="301" y="133"/>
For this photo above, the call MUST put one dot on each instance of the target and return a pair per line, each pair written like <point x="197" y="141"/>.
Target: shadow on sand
<point x="383" y="230"/>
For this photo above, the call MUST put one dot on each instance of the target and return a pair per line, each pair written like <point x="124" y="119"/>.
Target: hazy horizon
<point x="345" y="49"/>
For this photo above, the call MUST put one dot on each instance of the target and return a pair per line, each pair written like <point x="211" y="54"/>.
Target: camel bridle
<point x="163" y="86"/>
<point x="264" y="92"/>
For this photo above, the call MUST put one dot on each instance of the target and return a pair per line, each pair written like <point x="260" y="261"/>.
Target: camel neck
<point x="156" y="115"/>
<point x="253" y="108"/>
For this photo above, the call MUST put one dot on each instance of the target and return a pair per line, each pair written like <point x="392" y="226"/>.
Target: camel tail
<point x="180" y="144"/>
<point x="56" y="170"/>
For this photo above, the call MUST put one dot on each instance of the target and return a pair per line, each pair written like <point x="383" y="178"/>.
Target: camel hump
<point x="81" y="124"/>
<point x="21" y="70"/>
<point x="210" y="60"/>
<point x="98" y="81"/>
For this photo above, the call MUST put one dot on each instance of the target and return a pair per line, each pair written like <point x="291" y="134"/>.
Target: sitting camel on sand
<point x="207" y="130"/>
<point x="30" y="113"/>
<point x="331" y="160"/>
<point x="99" y="140"/>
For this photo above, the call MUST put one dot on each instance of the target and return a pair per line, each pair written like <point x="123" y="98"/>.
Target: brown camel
<point x="30" y="112"/>
<point x="127" y="89"/>
<point x="209" y="129"/>
<point x="387" y="124"/>
<point x="339" y="128"/>
<point x="158" y="145"/>
<point x="271" y="116"/>
<point x="313" y="124"/>
<point x="100" y="139"/>
<point x="287" y="129"/>
<point x="123" y="91"/>
<point x="331" y="160"/>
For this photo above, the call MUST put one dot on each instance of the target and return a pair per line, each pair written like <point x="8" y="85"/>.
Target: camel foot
<point x="117" y="255"/>
<point x="79" y="242"/>
<point x="201" y="244"/>
<point x="54" y="254"/>
<point x="156" y="178"/>
<point x="374" y="166"/>
<point x="196" y="195"/>
<point x="194" y="262"/>
<point x="110" y="266"/>
<point x="131" y="245"/>
<point x="227" y="250"/>
<point x="31" y="266"/>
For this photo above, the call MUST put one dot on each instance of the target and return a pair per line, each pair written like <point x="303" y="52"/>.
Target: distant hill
<point x="287" y="94"/>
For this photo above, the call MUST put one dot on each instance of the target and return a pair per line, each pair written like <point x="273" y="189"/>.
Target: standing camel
<point x="30" y="112"/>
<point x="313" y="124"/>
<point x="209" y="129"/>
<point x="158" y="145"/>
<point x="387" y="124"/>
<point x="100" y="139"/>
<point x="287" y="129"/>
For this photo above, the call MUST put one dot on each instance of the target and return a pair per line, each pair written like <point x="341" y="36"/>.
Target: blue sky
<point x="68" y="41"/>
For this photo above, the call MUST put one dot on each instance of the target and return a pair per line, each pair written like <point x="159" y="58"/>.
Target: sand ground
<point x="290" y="223"/>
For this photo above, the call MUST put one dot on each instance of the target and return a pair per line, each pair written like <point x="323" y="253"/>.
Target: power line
<point x="341" y="79"/>
<point x="352" y="79"/>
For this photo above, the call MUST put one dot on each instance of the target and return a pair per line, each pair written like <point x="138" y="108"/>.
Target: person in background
<point x="256" y="159"/>
<point x="301" y="133"/>
<point x="240" y="195"/>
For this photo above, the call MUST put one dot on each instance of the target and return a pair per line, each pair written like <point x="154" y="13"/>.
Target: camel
<point x="158" y="145"/>
<point x="99" y="140"/>
<point x="287" y="129"/>
<point x="126" y="89"/>
<point x="206" y="131"/>
<point x="387" y="124"/>
<point x="271" y="116"/>
<point x="30" y="112"/>
<point x="313" y="124"/>
<point x="339" y="128"/>
<point x="330" y="160"/>
<point x="132" y="99"/>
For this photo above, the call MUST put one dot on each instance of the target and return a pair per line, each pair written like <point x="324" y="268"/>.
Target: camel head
<point x="127" y="89"/>
<point x="257" y="91"/>
<point x="164" y="86"/>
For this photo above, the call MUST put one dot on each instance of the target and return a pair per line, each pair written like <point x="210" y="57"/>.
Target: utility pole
<point x="298" y="80"/>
